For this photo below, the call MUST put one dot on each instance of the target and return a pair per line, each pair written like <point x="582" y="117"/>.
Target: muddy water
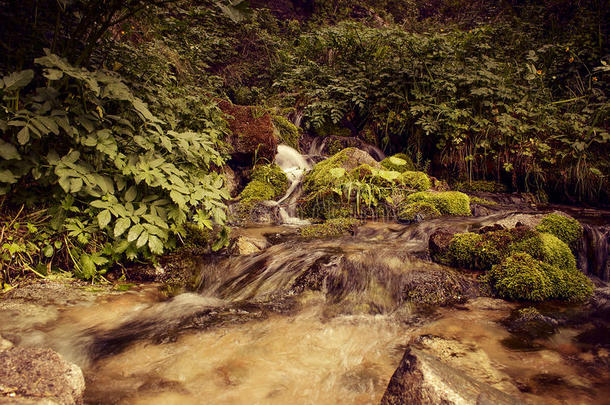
<point x="322" y="322"/>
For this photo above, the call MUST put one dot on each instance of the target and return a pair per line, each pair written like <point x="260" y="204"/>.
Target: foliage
<point x="331" y="228"/>
<point x="399" y="162"/>
<point x="115" y="179"/>
<point x="288" y="133"/>
<point x="447" y="202"/>
<point x="567" y="229"/>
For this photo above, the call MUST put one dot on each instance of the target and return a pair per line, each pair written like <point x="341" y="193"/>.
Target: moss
<point x="334" y="146"/>
<point x="399" y="162"/>
<point x="416" y="180"/>
<point x="463" y="249"/>
<point x="481" y="185"/>
<point x="481" y="201"/>
<point x="255" y="192"/>
<point x="320" y="176"/>
<point x="330" y="229"/>
<point x="273" y="175"/>
<point x="567" y="229"/>
<point x="447" y="202"/>
<point x="521" y="277"/>
<point x="556" y="253"/>
<point x="288" y="132"/>
<point x="422" y="209"/>
<point x="330" y="129"/>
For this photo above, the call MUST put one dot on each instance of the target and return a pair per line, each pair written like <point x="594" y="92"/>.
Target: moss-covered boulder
<point x="447" y="202"/>
<point x="287" y="132"/>
<point x="565" y="228"/>
<point x="417" y="211"/>
<point x="416" y="180"/>
<point x="399" y="162"/>
<point x="268" y="182"/>
<point x="273" y="175"/>
<point x="332" y="228"/>
<point x="522" y="277"/>
<point x="252" y="133"/>
<point x="347" y="159"/>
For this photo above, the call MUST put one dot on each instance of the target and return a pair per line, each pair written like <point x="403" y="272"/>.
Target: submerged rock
<point x="423" y="379"/>
<point x="39" y="376"/>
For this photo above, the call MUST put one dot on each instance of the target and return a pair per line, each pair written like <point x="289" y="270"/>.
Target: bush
<point x="399" y="162"/>
<point x="567" y="229"/>
<point x="447" y="202"/>
<point x="418" y="210"/>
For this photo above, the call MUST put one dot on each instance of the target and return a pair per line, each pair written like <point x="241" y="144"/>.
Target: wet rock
<point x="479" y="210"/>
<point x="531" y="324"/>
<point x="232" y="181"/>
<point x="423" y="379"/>
<point x="438" y="244"/>
<point x="39" y="376"/>
<point x="245" y="245"/>
<point x="5" y="344"/>
<point x="600" y="303"/>
<point x="252" y="134"/>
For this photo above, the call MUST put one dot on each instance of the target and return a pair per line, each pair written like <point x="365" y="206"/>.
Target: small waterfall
<point x="294" y="165"/>
<point x="594" y="251"/>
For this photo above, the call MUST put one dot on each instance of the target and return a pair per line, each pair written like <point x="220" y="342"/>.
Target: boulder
<point x="422" y="379"/>
<point x="438" y="243"/>
<point x="29" y="375"/>
<point x="253" y="135"/>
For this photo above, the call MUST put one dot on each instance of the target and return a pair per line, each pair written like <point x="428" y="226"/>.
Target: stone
<point x="5" y="344"/>
<point x="422" y="379"/>
<point x="253" y="135"/>
<point x="32" y="375"/>
<point x="438" y="243"/>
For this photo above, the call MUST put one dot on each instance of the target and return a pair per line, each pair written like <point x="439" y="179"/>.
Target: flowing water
<point x="318" y="322"/>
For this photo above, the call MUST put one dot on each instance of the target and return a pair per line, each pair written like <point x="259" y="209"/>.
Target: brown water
<point x="322" y="322"/>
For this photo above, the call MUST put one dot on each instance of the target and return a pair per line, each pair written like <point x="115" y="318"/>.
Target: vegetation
<point x="418" y="211"/>
<point x="332" y="228"/>
<point x="447" y="202"/>
<point x="565" y="228"/>
<point x="267" y="183"/>
<point x="288" y="133"/>
<point x="399" y="162"/>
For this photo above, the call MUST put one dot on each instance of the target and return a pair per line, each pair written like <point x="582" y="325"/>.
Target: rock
<point x="479" y="210"/>
<point x="231" y="181"/>
<point x="5" y="344"/>
<point x="30" y="375"/>
<point x="245" y="245"/>
<point x="531" y="324"/>
<point x="422" y="379"/>
<point x="438" y="244"/>
<point x="252" y="136"/>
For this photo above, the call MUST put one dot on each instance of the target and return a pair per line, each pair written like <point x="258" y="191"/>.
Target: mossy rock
<point x="287" y="131"/>
<point x="522" y="277"/>
<point x="399" y="162"/>
<point x="557" y="253"/>
<point x="255" y="192"/>
<point x="464" y="248"/>
<point x="481" y="186"/>
<point x="273" y="175"/>
<point x="567" y="229"/>
<point x="332" y="228"/>
<point x="416" y="180"/>
<point x="447" y="202"/>
<point x="418" y="210"/>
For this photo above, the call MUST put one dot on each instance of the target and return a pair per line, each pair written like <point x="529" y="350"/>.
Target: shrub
<point x="399" y="162"/>
<point x="418" y="210"/>
<point x="447" y="202"/>
<point x="287" y="131"/>
<point x="567" y="229"/>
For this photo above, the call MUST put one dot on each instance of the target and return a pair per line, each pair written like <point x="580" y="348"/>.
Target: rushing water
<point x="317" y="322"/>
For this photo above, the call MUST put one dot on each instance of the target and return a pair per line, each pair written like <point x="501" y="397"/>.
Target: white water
<point x="294" y="165"/>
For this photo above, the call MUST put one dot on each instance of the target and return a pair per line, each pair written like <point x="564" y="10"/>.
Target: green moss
<point x="521" y="277"/>
<point x="334" y="146"/>
<point x="320" y="176"/>
<point x="481" y="201"/>
<point x="567" y="229"/>
<point x="330" y="229"/>
<point x="422" y="209"/>
<point x="288" y="132"/>
<point x="463" y="249"/>
<point x="556" y="253"/>
<point x="481" y="185"/>
<point x="399" y="162"/>
<point x="273" y="175"/>
<point x="447" y="202"/>
<point x="255" y="192"/>
<point x="416" y="180"/>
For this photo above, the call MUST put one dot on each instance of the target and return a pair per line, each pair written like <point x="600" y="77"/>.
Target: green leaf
<point x="155" y="245"/>
<point x="6" y="176"/>
<point x="142" y="240"/>
<point x="87" y="266"/>
<point x="103" y="218"/>
<point x="17" y="80"/>
<point x="53" y="74"/>
<point x="134" y="232"/>
<point x="23" y="136"/>
<point x="121" y="226"/>
<point x="8" y="151"/>
<point x="131" y="194"/>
